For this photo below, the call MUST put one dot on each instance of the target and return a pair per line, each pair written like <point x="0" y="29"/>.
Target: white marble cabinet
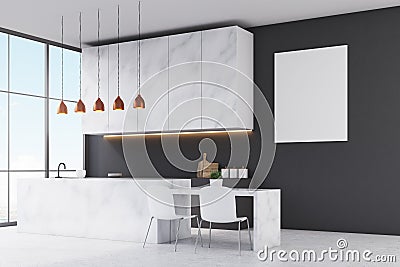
<point x="128" y="87"/>
<point x="184" y="76"/>
<point x="227" y="95"/>
<point x="94" y="122"/>
<point x="215" y="94"/>
<point x="154" y="88"/>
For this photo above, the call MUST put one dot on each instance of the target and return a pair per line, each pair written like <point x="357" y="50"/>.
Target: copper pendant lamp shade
<point x="118" y="104"/>
<point x="80" y="107"/>
<point x="139" y="102"/>
<point x="98" y="106"/>
<point x="62" y="108"/>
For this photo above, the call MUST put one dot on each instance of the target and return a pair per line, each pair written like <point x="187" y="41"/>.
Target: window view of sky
<point x="26" y="66"/>
<point x="26" y="117"/>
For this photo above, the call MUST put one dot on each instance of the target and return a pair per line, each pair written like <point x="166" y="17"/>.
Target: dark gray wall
<point x="344" y="186"/>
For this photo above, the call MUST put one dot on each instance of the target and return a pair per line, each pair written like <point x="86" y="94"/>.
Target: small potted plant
<point x="217" y="177"/>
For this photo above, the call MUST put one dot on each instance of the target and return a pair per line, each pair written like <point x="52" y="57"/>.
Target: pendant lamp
<point x="98" y="105"/>
<point x="139" y="101"/>
<point x="118" y="103"/>
<point x="80" y="106"/>
<point x="62" y="108"/>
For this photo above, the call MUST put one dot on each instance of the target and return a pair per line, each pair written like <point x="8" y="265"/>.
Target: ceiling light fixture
<point x="98" y="105"/>
<point x="80" y="106"/>
<point x="62" y="108"/>
<point x="139" y="101"/>
<point x="118" y="103"/>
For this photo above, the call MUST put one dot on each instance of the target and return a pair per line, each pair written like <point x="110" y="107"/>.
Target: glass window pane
<point x="3" y="197"/>
<point x="26" y="66"/>
<point x="14" y="177"/>
<point x="66" y="139"/>
<point x="3" y="61"/>
<point x="26" y="133"/>
<point x="3" y="131"/>
<point x="71" y="73"/>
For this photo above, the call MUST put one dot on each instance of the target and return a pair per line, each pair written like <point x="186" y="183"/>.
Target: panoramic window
<point x="24" y="129"/>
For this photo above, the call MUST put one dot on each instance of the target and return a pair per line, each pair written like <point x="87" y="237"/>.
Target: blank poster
<point x="311" y="95"/>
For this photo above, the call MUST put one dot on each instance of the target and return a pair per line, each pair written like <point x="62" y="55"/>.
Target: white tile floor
<point x="41" y="250"/>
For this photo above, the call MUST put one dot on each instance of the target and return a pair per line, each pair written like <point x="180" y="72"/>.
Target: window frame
<point x="47" y="99"/>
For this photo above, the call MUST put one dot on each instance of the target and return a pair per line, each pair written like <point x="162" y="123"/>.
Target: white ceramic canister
<point x="225" y="173"/>
<point x="243" y="173"/>
<point x="233" y="173"/>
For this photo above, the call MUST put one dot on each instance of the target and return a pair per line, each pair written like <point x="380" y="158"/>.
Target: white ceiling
<point x="41" y="18"/>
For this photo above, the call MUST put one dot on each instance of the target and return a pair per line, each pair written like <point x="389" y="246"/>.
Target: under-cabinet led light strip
<point x="176" y="133"/>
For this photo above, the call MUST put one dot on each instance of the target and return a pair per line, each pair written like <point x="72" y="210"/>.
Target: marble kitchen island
<point x="117" y="209"/>
<point x="103" y="208"/>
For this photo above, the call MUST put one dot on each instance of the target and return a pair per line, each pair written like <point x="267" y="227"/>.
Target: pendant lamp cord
<point x="62" y="58"/>
<point x="168" y="82"/>
<point x="139" y="46"/>
<point x="80" y="55"/>
<point x="201" y="79"/>
<point x="118" y="50"/>
<point x="98" y="52"/>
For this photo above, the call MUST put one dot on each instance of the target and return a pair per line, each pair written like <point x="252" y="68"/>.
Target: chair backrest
<point x="217" y="204"/>
<point x="161" y="202"/>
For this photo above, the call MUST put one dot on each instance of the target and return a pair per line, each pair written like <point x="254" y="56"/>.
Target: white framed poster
<point x="311" y="95"/>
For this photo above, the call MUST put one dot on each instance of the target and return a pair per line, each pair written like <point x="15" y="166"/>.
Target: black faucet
<point x="58" y="170"/>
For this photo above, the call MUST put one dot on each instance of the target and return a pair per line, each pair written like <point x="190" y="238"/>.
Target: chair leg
<point x="240" y="251"/>
<point x="148" y="229"/>
<point x="199" y="232"/>
<point x="170" y="231"/>
<point x="248" y="229"/>
<point x="177" y="233"/>
<point x="209" y="237"/>
<point x="201" y="237"/>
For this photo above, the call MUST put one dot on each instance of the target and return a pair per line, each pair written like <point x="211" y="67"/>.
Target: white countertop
<point x="108" y="178"/>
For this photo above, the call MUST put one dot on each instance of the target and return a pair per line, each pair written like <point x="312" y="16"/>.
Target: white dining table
<point x="267" y="213"/>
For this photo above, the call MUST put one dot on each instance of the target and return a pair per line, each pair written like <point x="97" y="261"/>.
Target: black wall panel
<point x="349" y="186"/>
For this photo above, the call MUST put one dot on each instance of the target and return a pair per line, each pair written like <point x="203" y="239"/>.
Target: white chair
<point x="161" y="206"/>
<point x="218" y="205"/>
